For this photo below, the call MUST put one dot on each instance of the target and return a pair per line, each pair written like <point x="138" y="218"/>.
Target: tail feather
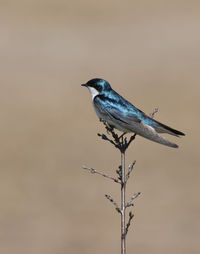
<point x="162" y="128"/>
<point x="150" y="133"/>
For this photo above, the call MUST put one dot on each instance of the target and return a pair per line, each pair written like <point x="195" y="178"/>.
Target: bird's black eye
<point x="95" y="83"/>
<point x="98" y="87"/>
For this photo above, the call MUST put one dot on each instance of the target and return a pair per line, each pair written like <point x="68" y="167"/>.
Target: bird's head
<point x="97" y="86"/>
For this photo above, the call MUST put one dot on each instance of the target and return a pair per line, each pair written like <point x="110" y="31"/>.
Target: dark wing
<point x="116" y="112"/>
<point x="128" y="119"/>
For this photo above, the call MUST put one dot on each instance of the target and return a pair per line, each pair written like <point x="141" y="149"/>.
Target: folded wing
<point x="128" y="119"/>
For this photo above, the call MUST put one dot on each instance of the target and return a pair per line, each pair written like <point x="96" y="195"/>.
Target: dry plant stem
<point x="121" y="143"/>
<point x="130" y="169"/>
<point x="94" y="171"/>
<point x="153" y="113"/>
<point x="113" y="202"/>
<point x="123" y="203"/>
<point x="130" y="202"/>
<point x="129" y="221"/>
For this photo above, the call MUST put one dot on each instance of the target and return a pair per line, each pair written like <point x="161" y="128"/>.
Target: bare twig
<point x="118" y="141"/>
<point x="130" y="169"/>
<point x="94" y="171"/>
<point x="119" y="172"/>
<point x="153" y="113"/>
<point x="129" y="222"/>
<point x="113" y="202"/>
<point x="127" y="144"/>
<point x="130" y="202"/>
<point x="104" y="137"/>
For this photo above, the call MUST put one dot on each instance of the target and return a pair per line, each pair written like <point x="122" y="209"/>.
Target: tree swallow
<point x="117" y="112"/>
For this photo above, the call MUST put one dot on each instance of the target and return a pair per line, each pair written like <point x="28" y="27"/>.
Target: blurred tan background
<point x="150" y="53"/>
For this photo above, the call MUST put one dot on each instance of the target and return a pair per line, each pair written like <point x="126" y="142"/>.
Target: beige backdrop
<point x="150" y="52"/>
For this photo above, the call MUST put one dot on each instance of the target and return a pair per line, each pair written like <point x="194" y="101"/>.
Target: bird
<point x="119" y="113"/>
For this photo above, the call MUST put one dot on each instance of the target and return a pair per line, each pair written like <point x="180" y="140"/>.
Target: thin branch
<point x="119" y="172"/>
<point x="130" y="202"/>
<point x="127" y="144"/>
<point x="153" y="113"/>
<point x="114" y="135"/>
<point x="129" y="222"/>
<point x="104" y="137"/>
<point x="110" y="130"/>
<point x="113" y="202"/>
<point x="130" y="169"/>
<point x="94" y="171"/>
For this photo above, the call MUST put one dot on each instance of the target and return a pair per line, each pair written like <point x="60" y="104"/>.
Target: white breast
<point x="93" y="92"/>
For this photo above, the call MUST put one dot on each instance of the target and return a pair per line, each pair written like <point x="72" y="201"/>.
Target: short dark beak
<point x="84" y="85"/>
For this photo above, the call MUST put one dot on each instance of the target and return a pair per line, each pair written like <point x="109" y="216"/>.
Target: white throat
<point x="93" y="92"/>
